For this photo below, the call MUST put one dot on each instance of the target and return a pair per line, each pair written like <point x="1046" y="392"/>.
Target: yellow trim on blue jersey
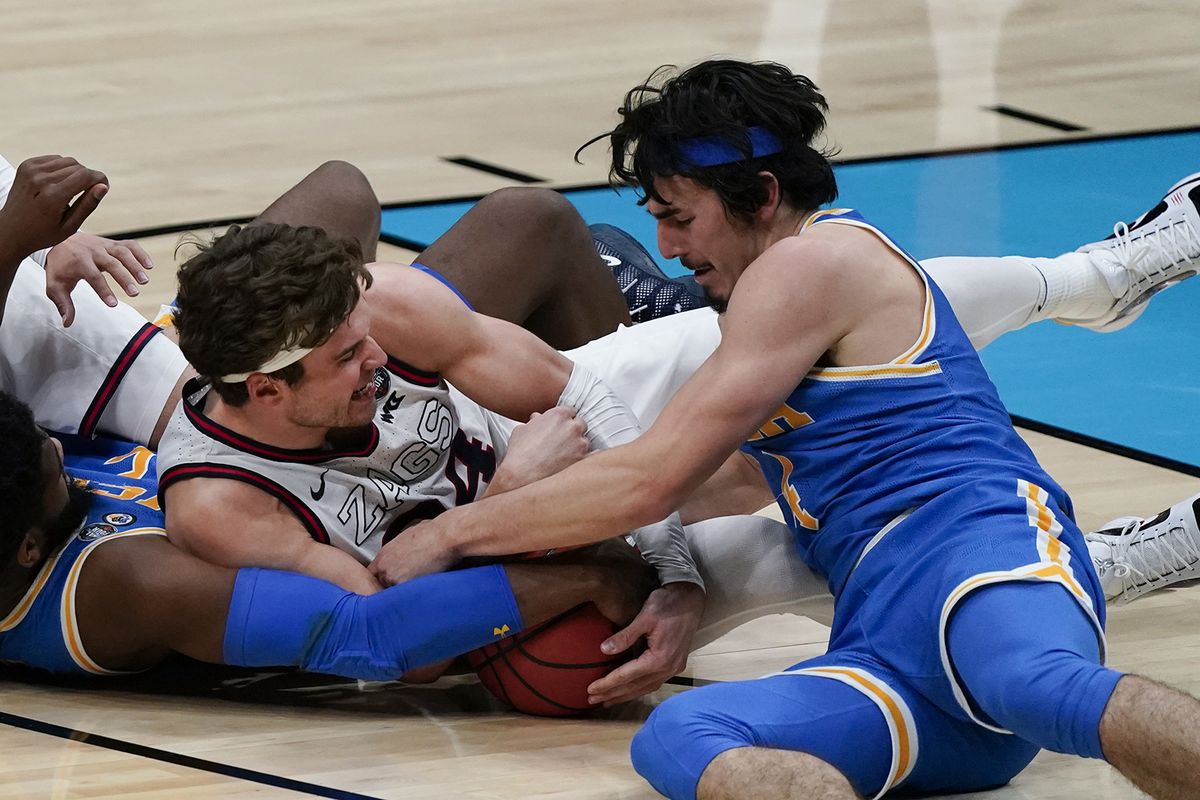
<point x="901" y="725"/>
<point x="876" y="373"/>
<point x="1054" y="566"/>
<point x="823" y="215"/>
<point x="803" y="518"/>
<point x="928" y="315"/>
<point x="70" y="627"/>
<point x="22" y="608"/>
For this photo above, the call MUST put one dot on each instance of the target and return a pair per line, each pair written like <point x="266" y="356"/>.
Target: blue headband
<point x="712" y="151"/>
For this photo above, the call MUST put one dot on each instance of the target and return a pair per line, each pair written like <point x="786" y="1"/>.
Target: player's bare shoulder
<point x="881" y="292"/>
<point x="201" y="513"/>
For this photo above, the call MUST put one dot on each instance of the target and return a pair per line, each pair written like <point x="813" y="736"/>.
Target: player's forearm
<point x="8" y="271"/>
<point x="283" y="619"/>
<point x="543" y="590"/>
<point x="598" y="498"/>
<point x="12" y="253"/>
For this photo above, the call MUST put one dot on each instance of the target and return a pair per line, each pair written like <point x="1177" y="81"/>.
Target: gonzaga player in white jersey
<point x="422" y="453"/>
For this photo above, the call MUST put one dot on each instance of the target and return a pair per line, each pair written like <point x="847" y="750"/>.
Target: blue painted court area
<point x="1139" y="387"/>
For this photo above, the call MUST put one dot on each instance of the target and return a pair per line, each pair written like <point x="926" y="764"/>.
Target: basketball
<point x="546" y="670"/>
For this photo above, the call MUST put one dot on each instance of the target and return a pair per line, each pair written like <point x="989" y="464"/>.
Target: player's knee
<point x="540" y="217"/>
<point x="679" y="740"/>
<point x="345" y="181"/>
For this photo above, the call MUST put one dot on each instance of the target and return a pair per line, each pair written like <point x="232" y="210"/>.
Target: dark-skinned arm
<point x="140" y="598"/>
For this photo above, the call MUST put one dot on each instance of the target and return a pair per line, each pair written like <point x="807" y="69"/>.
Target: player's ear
<point x="30" y="550"/>
<point x="774" y="195"/>
<point x="262" y="388"/>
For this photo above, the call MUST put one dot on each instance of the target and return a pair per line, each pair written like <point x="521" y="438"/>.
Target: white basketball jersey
<point x="429" y="448"/>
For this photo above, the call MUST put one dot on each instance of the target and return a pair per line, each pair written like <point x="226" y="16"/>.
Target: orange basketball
<point x="546" y="670"/>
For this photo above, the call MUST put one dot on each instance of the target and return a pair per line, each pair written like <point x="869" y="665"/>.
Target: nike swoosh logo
<point x="319" y="493"/>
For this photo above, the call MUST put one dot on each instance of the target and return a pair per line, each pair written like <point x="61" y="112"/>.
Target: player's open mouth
<point x="363" y="391"/>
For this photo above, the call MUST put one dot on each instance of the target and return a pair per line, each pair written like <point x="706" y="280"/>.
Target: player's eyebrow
<point x="349" y="351"/>
<point x="668" y="211"/>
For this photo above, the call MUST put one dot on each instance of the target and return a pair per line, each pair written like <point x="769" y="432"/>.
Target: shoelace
<point x="626" y="289"/>
<point x="1133" y="561"/>
<point x="1178" y="243"/>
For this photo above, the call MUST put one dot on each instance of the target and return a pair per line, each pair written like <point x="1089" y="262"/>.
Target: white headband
<point x="283" y="358"/>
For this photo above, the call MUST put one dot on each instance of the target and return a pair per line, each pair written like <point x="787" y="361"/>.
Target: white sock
<point x="1076" y="288"/>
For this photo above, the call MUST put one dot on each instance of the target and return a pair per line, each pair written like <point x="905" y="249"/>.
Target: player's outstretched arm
<point x="776" y="329"/>
<point x="500" y="366"/>
<point x="140" y="598"/>
<point x="50" y="198"/>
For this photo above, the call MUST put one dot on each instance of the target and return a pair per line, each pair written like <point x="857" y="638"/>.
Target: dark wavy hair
<point x="724" y="99"/>
<point x="259" y="289"/>
<point x="21" y="480"/>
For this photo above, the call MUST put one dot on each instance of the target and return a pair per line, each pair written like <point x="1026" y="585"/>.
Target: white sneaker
<point x="1134" y="556"/>
<point x="1160" y="249"/>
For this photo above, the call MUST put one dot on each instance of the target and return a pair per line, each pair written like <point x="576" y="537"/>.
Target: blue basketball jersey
<point x="854" y="448"/>
<point x="41" y="631"/>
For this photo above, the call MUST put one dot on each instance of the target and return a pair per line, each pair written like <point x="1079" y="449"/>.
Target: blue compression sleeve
<point x="283" y="619"/>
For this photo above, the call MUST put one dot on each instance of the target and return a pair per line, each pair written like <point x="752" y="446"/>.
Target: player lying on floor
<point x="89" y="583"/>
<point x="693" y="333"/>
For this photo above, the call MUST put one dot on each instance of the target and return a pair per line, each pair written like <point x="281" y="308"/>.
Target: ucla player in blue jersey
<point x="968" y="626"/>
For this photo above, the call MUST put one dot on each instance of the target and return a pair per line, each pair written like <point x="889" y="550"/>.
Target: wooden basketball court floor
<point x="206" y="111"/>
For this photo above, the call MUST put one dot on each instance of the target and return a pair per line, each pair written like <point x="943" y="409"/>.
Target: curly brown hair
<point x="259" y="289"/>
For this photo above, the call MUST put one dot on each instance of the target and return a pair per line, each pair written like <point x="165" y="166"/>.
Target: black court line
<point x="181" y="227"/>
<point x="684" y="680"/>
<point x="108" y="743"/>
<point x="493" y="169"/>
<point x="959" y="151"/>
<point x="178" y="227"/>
<point x="400" y="241"/>
<point x="1107" y="446"/>
<point x="1036" y="119"/>
<point x="1040" y="427"/>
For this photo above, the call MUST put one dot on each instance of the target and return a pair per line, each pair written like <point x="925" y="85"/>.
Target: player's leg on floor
<point x="993" y="296"/>
<point x="526" y="256"/>
<point x="700" y="740"/>
<point x="751" y="568"/>
<point x="1151" y="733"/>
<point x="335" y="197"/>
<point x="768" y="773"/>
<point x="1027" y="659"/>
<point x="1044" y="682"/>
